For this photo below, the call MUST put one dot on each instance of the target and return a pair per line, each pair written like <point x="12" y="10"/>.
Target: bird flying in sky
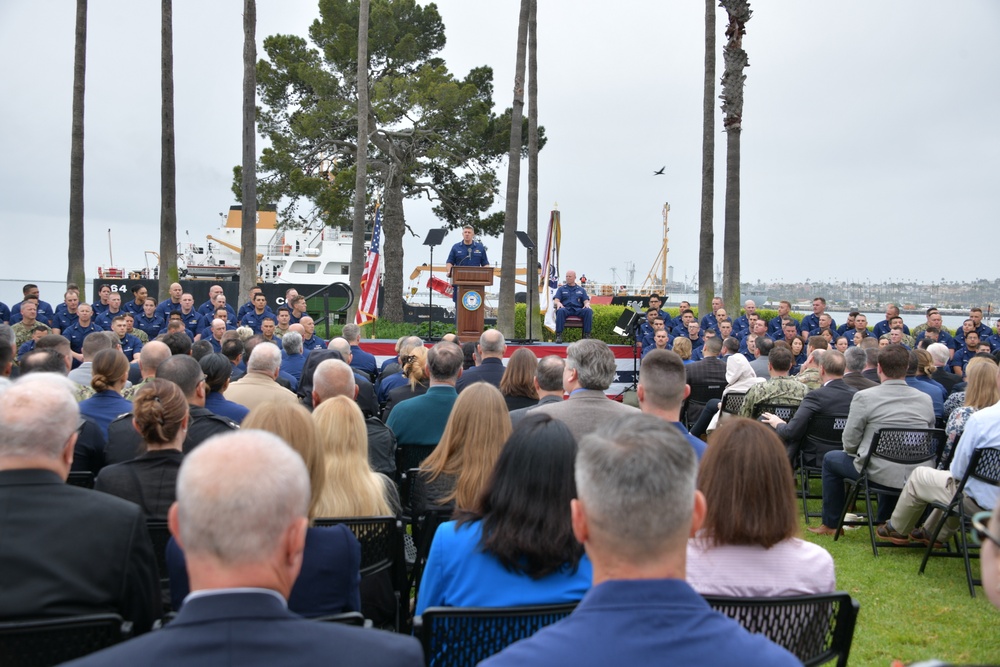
<point x="660" y="172"/>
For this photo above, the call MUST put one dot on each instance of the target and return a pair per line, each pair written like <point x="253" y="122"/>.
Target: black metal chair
<point x="407" y="457"/>
<point x="816" y="628"/>
<point x="462" y="636"/>
<point x="82" y="478"/>
<point x="424" y="527"/>
<point x="984" y="465"/>
<point x="41" y="643"/>
<point x="911" y="447"/>
<point x="700" y="395"/>
<point x="826" y="431"/>
<point x="381" y="539"/>
<point x="731" y="403"/>
<point x="782" y="410"/>
<point x="159" y="534"/>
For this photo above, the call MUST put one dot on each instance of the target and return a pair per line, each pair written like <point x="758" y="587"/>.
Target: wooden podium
<point x="469" y="282"/>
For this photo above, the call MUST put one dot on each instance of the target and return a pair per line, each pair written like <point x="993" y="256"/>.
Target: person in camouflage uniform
<point x="780" y="389"/>
<point x="809" y="374"/>
<point x="25" y="329"/>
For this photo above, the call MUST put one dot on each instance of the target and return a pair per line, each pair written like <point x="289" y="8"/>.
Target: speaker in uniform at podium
<point x="470" y="272"/>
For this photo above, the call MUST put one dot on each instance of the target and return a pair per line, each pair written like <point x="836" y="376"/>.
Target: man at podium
<point x="572" y="299"/>
<point x="467" y="252"/>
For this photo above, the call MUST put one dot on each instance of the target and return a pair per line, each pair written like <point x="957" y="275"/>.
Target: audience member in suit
<point x="421" y="420"/>
<point x="662" y="389"/>
<point x="855" y="359"/>
<point x="260" y="384"/>
<point x="763" y="345"/>
<point x="161" y="417"/>
<point x="76" y="551"/>
<point x="518" y="382"/>
<point x="941" y="355"/>
<point x="490" y="369"/>
<point x="361" y="361"/>
<point x="365" y="399"/>
<point x="635" y="508"/>
<point x="831" y="399"/>
<point x="124" y="443"/>
<point x="548" y="384"/>
<point x="331" y="561"/>
<point x="708" y="373"/>
<point x="241" y="519"/>
<point x="590" y="369"/>
<point x="334" y="377"/>
<point x="870" y="346"/>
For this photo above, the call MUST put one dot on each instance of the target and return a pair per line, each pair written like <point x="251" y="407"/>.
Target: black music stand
<point x="529" y="324"/>
<point x="434" y="238"/>
<point x="627" y="326"/>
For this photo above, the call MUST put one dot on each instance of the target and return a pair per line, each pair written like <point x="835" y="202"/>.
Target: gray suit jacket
<point x="892" y="404"/>
<point x="759" y="366"/>
<point x="519" y="414"/>
<point x="587" y="409"/>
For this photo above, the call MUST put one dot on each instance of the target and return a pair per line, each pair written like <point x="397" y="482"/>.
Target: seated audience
<point x="515" y="546"/>
<point x="748" y="544"/>
<point x="218" y="373"/>
<point x="415" y="372"/>
<point x="518" y="382"/>
<point x="740" y="376"/>
<point x="108" y="379"/>
<point x="981" y="392"/>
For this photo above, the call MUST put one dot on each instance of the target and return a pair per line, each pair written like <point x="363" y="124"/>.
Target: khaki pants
<point x="927" y="485"/>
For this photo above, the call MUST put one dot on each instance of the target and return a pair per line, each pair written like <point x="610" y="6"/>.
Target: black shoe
<point x="559" y="339"/>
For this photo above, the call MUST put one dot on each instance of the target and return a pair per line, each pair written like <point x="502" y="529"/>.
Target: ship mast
<point x="654" y="282"/>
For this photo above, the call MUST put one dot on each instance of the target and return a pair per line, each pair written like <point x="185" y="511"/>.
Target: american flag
<point x="368" y="306"/>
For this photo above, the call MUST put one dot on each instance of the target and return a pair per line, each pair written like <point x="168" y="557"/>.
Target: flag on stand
<point x="550" y="271"/>
<point x="368" y="305"/>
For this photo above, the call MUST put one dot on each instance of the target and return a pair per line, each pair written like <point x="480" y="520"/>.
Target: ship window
<point x="304" y="267"/>
<point x="336" y="269"/>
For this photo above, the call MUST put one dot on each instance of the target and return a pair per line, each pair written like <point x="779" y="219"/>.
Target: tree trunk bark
<point x="505" y="315"/>
<point x="361" y="180"/>
<point x="248" y="194"/>
<point x="731" y="242"/>
<point x="76" y="271"/>
<point x="393" y="226"/>
<point x="168" y="167"/>
<point x="706" y="254"/>
<point x="531" y="275"/>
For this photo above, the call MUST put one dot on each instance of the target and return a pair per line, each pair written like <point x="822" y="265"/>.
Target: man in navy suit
<point x="831" y="399"/>
<point x="636" y="506"/>
<point x="241" y="519"/>
<point x="490" y="350"/>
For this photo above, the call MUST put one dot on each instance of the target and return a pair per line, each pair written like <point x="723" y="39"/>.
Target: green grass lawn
<point x="908" y="616"/>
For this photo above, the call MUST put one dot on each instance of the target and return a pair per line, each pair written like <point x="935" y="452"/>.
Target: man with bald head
<point x="365" y="396"/>
<point x="741" y="325"/>
<point x="241" y="519"/>
<point x="76" y="551"/>
<point x="310" y="341"/>
<point x="154" y="353"/>
<point x="171" y="305"/>
<point x="570" y="300"/>
<point x="490" y="351"/>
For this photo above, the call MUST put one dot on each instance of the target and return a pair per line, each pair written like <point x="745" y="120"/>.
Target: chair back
<point x="785" y="412"/>
<point x="700" y="395"/>
<point x="985" y="466"/>
<point x="159" y="534"/>
<point x="815" y="628"/>
<point x="732" y="402"/>
<point x="82" y="478"/>
<point x="907" y="446"/>
<point x="54" y="641"/>
<point x="827" y="429"/>
<point x="468" y="635"/>
<point x="410" y="456"/>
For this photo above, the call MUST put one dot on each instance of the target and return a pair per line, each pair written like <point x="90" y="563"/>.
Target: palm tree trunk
<point x="360" y="183"/>
<point x="531" y="276"/>
<point x="706" y="254"/>
<point x="76" y="270"/>
<point x="168" y="167"/>
<point x="248" y="194"/>
<point x="733" y="78"/>
<point x="393" y="226"/>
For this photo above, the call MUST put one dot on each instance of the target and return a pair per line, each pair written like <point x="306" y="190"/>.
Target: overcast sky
<point x="869" y="143"/>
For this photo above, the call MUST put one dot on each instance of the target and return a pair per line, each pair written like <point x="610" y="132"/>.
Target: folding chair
<point x="424" y="527"/>
<point x="381" y="539"/>
<point x="82" y="478"/>
<point x="732" y="402"/>
<point x="907" y="446"/>
<point x="984" y="465"/>
<point x="410" y="456"/>
<point x="467" y="635"/>
<point x="824" y="430"/>
<point x="782" y="410"/>
<point x="54" y="641"/>
<point x="700" y="395"/>
<point x="816" y="628"/>
<point x="159" y="534"/>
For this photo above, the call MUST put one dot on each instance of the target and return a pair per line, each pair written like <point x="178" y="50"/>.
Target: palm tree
<point x="733" y="79"/>
<point x="76" y="271"/>
<point x="505" y="315"/>
<point x="706" y="254"/>
<point x="360" y="183"/>
<point x="168" y="166"/>
<point x="248" y="193"/>
<point x="531" y="275"/>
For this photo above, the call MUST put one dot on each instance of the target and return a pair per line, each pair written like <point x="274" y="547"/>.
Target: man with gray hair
<point x="548" y="384"/>
<point x="490" y="369"/>
<point x="241" y="519"/>
<point x="260" y="384"/>
<point x="590" y="369"/>
<point x="67" y="550"/>
<point x="635" y="509"/>
<point x="941" y="355"/>
<point x="365" y="395"/>
<point x="421" y="419"/>
<point x="855" y="359"/>
<point x="361" y="361"/>
<point x="292" y="359"/>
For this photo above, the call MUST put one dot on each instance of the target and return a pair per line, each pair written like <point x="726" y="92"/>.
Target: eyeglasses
<point x="979" y="532"/>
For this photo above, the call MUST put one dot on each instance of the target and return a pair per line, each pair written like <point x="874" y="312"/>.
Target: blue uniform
<point x="4" y="312"/>
<point x="572" y="300"/>
<point x="46" y="314"/>
<point x="882" y="328"/>
<point x="983" y="331"/>
<point x="134" y="308"/>
<point x="944" y="338"/>
<point x="741" y="325"/>
<point x="64" y="319"/>
<point x="166" y="307"/>
<point x="25" y="348"/>
<point x="131" y="346"/>
<point x="811" y="321"/>
<point x="709" y="322"/>
<point x="149" y="325"/>
<point x="75" y="334"/>
<point x="961" y="359"/>
<point x="99" y="308"/>
<point x="473" y="254"/>
<point x="313" y="343"/>
<point x="774" y="326"/>
<point x="104" y="320"/>
<point x="994" y="342"/>
<point x="207" y="310"/>
<point x="253" y="320"/>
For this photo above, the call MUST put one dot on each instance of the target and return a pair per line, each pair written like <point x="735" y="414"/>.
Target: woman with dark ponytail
<point x="160" y="415"/>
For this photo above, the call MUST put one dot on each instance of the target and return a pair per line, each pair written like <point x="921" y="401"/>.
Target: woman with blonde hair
<point x="109" y="377"/>
<point x="518" y="382"/>
<point x="980" y="392"/>
<point x="417" y="380"/>
<point x="351" y="489"/>
<point x="682" y="346"/>
<point x="328" y="582"/>
<point x="454" y="474"/>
